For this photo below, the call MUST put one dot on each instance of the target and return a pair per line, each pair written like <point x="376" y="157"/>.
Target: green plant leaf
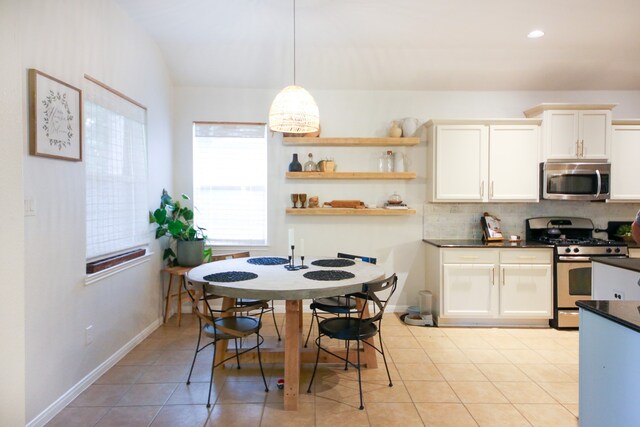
<point x="168" y="253"/>
<point x="152" y="219"/>
<point x="185" y="197"/>
<point x="176" y="227"/>
<point x="187" y="214"/>
<point x="160" y="231"/>
<point x="160" y="216"/>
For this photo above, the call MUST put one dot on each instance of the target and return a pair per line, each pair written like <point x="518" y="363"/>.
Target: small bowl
<point x="280" y="384"/>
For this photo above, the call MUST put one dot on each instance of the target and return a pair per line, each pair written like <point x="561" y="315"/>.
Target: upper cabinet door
<point x="625" y="173"/>
<point x="461" y="163"/>
<point x="595" y="134"/>
<point x="561" y="134"/>
<point x="514" y="163"/>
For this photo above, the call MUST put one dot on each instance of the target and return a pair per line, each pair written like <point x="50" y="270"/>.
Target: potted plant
<point x="176" y="221"/>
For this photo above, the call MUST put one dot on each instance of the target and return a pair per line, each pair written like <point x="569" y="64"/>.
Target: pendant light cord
<point x="294" y="42"/>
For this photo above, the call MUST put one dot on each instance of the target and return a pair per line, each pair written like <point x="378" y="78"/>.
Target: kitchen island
<point x="609" y="369"/>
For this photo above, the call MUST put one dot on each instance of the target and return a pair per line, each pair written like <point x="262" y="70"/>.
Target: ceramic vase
<point x="295" y="165"/>
<point x="395" y="131"/>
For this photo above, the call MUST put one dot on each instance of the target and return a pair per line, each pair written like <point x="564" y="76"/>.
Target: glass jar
<point x="389" y="161"/>
<point x="310" y="165"/>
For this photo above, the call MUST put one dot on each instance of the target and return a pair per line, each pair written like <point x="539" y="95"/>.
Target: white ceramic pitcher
<point x="399" y="162"/>
<point x="409" y="126"/>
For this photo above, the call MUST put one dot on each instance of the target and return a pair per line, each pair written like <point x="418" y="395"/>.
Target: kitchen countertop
<point x="477" y="243"/>
<point x="625" y="313"/>
<point x="632" y="264"/>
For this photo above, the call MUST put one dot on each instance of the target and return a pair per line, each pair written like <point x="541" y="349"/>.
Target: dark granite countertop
<point x="476" y="243"/>
<point x="632" y="264"/>
<point x="625" y="313"/>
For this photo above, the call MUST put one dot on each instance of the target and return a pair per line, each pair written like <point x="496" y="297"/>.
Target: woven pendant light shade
<point x="294" y="111"/>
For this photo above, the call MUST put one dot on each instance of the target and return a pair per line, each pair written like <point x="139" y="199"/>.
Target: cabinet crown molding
<point x="488" y="122"/>
<point x="538" y="109"/>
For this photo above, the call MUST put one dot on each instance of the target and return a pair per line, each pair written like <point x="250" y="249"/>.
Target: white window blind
<point x="230" y="182"/>
<point x="116" y="172"/>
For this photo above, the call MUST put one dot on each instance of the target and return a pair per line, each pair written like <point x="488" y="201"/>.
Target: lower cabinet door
<point x="526" y="291"/>
<point x="469" y="290"/>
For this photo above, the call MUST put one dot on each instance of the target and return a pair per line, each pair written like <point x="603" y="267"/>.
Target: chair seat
<point x="244" y="325"/>
<point x="347" y="328"/>
<point x="335" y="305"/>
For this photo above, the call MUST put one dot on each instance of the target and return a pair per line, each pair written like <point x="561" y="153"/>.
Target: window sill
<point x="96" y="277"/>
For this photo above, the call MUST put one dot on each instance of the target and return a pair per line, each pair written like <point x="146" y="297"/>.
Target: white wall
<point x="67" y="39"/>
<point x="396" y="241"/>
<point x="12" y="316"/>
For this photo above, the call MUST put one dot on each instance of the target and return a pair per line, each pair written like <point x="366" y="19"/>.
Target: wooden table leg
<point x="180" y="285"/>
<point x="292" y="355"/>
<point x="368" y="356"/>
<point x="221" y="346"/>
<point x="168" y="304"/>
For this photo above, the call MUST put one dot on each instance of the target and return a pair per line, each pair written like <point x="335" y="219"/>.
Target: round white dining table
<point x="275" y="282"/>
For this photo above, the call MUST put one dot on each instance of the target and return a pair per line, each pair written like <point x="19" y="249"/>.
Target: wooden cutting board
<point x="354" y="204"/>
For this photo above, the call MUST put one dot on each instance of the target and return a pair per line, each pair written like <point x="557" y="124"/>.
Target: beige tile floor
<point x="441" y="377"/>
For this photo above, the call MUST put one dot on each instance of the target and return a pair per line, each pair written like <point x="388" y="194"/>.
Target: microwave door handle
<point x="599" y="183"/>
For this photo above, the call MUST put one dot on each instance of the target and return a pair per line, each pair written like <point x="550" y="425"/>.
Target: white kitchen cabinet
<point x="490" y="286"/>
<point x="574" y="132"/>
<point x="525" y="290"/>
<point x="625" y="152"/>
<point x="513" y="163"/>
<point x="613" y="282"/>
<point x="468" y="290"/>
<point x="483" y="160"/>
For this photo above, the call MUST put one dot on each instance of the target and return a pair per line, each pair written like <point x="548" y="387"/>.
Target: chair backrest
<point x="371" y="291"/>
<point x="221" y="257"/>
<point x="370" y="260"/>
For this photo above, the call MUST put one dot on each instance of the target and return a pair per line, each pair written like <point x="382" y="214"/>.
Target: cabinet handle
<point x="582" y="148"/>
<point x="502" y="273"/>
<point x="469" y="257"/>
<point x="526" y="257"/>
<point x="577" y="148"/>
<point x="482" y="188"/>
<point x="493" y="276"/>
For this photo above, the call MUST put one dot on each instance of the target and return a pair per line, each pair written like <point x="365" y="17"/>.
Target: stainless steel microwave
<point x="575" y="181"/>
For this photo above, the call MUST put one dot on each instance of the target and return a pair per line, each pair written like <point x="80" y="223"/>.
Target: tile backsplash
<point x="462" y="220"/>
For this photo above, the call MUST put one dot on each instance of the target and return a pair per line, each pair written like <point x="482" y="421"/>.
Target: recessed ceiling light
<point x="535" y="34"/>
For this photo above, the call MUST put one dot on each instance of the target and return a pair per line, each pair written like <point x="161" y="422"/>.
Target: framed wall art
<point x="55" y="118"/>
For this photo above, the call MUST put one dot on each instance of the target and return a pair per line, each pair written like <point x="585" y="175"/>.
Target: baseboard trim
<point x="57" y="406"/>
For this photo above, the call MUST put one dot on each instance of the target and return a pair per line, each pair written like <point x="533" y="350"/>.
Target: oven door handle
<point x="588" y="258"/>
<point x="599" y="183"/>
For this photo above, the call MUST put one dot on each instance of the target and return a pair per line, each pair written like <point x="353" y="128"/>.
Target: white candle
<point x="301" y="247"/>
<point x="291" y="240"/>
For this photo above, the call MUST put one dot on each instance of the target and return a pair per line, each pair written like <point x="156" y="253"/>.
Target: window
<point x="230" y="182"/>
<point x="115" y="150"/>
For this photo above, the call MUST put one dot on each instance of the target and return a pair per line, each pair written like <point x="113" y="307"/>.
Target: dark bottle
<point x="295" y="165"/>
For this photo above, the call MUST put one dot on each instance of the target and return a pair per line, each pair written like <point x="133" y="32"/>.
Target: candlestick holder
<point x="292" y="261"/>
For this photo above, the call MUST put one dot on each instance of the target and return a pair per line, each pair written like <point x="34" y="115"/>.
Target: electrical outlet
<point x="88" y="335"/>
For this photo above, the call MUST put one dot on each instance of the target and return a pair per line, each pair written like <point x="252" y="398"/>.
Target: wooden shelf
<point x="351" y="142"/>
<point x="350" y="212"/>
<point x="351" y="175"/>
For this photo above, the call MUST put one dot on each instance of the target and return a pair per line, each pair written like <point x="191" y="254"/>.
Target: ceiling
<point x="397" y="44"/>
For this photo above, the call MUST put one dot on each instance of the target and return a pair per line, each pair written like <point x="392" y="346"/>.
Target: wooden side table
<point x="180" y="274"/>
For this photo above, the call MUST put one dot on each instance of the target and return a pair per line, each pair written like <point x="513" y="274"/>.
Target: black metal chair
<point x="338" y="305"/>
<point x="358" y="328"/>
<point x="231" y="327"/>
<point x="245" y="301"/>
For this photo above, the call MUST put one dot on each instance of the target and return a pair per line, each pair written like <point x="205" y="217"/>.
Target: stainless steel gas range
<point x="574" y="246"/>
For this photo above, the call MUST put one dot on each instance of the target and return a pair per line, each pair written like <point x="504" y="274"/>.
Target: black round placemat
<point x="268" y="260"/>
<point x="333" y="262"/>
<point x="230" y="276"/>
<point x="326" y="275"/>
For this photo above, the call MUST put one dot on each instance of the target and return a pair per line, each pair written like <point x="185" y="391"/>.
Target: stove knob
<point x="567" y="250"/>
<point x="576" y="250"/>
<point x="608" y="250"/>
<point x="617" y="250"/>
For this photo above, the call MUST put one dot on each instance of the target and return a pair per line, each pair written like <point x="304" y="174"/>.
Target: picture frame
<point x="491" y="228"/>
<point x="55" y="118"/>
